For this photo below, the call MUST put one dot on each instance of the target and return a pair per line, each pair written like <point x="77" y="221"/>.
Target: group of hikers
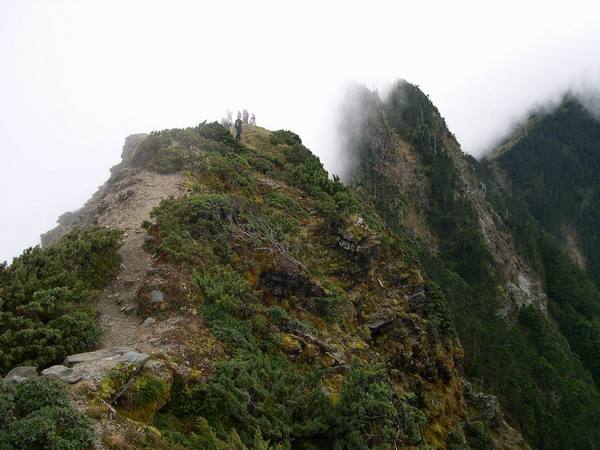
<point x="243" y="117"/>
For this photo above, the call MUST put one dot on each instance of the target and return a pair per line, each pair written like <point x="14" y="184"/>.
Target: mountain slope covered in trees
<point x="431" y="194"/>
<point x="552" y="163"/>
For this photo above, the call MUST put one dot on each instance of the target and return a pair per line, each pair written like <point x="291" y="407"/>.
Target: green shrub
<point x="38" y="414"/>
<point x="478" y="436"/>
<point x="172" y="159"/>
<point x="437" y="312"/>
<point x="285" y="137"/>
<point x="216" y="132"/>
<point x="46" y="297"/>
<point x="223" y="286"/>
<point x="371" y="415"/>
<point x="258" y="391"/>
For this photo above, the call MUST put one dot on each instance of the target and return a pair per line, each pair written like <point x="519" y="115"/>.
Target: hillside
<point x="446" y="205"/>
<point x="260" y="304"/>
<point x="552" y="165"/>
<point x="224" y="295"/>
<point x="544" y="178"/>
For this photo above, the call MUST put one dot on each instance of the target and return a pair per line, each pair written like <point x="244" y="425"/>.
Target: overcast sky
<point x="78" y="76"/>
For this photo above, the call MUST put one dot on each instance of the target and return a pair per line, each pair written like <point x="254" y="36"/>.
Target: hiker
<point x="253" y="119"/>
<point x="238" y="129"/>
<point x="229" y="116"/>
<point x="246" y="116"/>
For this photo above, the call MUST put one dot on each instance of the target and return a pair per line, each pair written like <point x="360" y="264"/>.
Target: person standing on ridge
<point x="245" y="115"/>
<point x="253" y="119"/>
<point x="238" y="129"/>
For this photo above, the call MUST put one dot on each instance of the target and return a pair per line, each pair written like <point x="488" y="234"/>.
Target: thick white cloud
<point x="77" y="76"/>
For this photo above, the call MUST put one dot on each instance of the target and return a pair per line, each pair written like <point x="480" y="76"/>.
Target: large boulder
<point x="20" y="374"/>
<point x="110" y="369"/>
<point x="63" y="373"/>
<point x="105" y="354"/>
<point x="359" y="242"/>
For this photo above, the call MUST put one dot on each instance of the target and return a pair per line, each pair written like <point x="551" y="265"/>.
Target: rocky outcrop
<point x="94" y="366"/>
<point x="359" y="242"/>
<point x="282" y="283"/>
<point x="394" y="148"/>
<point x="63" y="373"/>
<point x="20" y="374"/>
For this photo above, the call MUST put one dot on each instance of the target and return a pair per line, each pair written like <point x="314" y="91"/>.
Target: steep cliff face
<point x="445" y="205"/>
<point x="404" y="155"/>
<point x="276" y="306"/>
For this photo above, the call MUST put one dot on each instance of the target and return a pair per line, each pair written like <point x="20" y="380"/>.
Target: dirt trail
<point x="126" y="209"/>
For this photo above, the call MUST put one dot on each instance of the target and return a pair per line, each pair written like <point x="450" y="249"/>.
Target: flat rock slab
<point x="63" y="373"/>
<point x="95" y="365"/>
<point x="20" y="374"/>
<point x="110" y="352"/>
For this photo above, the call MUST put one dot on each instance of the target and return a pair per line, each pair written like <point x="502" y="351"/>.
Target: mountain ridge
<point x="268" y="305"/>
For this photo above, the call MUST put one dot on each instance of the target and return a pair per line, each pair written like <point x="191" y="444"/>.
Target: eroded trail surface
<point x="126" y="209"/>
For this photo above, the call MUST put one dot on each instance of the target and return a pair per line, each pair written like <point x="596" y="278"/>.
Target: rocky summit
<point x="216" y="294"/>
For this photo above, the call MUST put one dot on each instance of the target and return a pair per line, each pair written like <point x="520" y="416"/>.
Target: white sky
<point x="78" y="76"/>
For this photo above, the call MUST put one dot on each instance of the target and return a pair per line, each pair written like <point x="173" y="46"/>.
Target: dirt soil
<point x="126" y="209"/>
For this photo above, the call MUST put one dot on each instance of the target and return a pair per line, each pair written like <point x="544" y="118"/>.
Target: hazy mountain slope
<point x="553" y="163"/>
<point x="429" y="193"/>
<point x="311" y="325"/>
<point x="545" y="178"/>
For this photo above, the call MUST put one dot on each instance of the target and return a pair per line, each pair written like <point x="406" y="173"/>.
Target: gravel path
<point x="127" y="209"/>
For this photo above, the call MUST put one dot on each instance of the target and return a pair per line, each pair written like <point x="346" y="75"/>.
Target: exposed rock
<point x="377" y="325"/>
<point x="128" y="309"/>
<point x="95" y="365"/>
<point x="133" y="357"/>
<point x="360" y="242"/>
<point x="131" y="145"/>
<point x="416" y="300"/>
<point x="149" y="322"/>
<point x="63" y="373"/>
<point x="323" y="346"/>
<point x="20" y="374"/>
<point x="105" y="353"/>
<point x="156" y="296"/>
<point x="487" y="405"/>
<point x="283" y="284"/>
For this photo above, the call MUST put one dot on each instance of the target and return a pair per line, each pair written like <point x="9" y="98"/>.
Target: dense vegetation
<point x="47" y="298"/>
<point x="553" y="166"/>
<point x="537" y="373"/>
<point x="555" y="147"/>
<point x="251" y="215"/>
<point x="37" y="413"/>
